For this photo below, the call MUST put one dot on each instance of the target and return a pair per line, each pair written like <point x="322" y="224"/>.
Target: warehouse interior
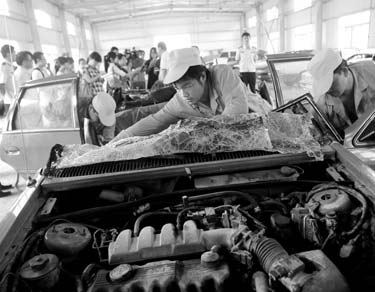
<point x="79" y="27"/>
<point x="187" y="145"/>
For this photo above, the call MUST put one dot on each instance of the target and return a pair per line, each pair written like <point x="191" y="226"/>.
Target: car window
<point x="47" y="107"/>
<point x="294" y="78"/>
<point x="367" y="135"/>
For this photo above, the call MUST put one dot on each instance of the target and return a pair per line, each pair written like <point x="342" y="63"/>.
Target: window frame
<point x="356" y="142"/>
<point x="42" y="82"/>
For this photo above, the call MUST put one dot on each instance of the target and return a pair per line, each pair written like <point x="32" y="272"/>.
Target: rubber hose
<point x="180" y="215"/>
<point x="268" y="251"/>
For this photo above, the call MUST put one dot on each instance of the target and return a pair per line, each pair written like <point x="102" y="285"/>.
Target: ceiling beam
<point x="179" y="8"/>
<point x="123" y="17"/>
<point x="90" y="4"/>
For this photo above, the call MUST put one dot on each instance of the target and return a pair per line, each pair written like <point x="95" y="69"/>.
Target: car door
<point x="44" y="115"/>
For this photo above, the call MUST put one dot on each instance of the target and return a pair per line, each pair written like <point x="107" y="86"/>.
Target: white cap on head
<point x="321" y="68"/>
<point x="179" y="62"/>
<point x="105" y="105"/>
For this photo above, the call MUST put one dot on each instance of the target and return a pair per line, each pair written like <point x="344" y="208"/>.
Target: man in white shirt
<point x="245" y="56"/>
<point x="40" y="70"/>
<point x="24" y="60"/>
<point x="163" y="54"/>
<point x="6" y="77"/>
<point x="201" y="92"/>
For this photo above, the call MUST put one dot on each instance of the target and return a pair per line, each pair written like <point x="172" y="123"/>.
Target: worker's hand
<point x="116" y="141"/>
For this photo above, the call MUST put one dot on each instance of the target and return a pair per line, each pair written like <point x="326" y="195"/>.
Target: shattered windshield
<point x="281" y="132"/>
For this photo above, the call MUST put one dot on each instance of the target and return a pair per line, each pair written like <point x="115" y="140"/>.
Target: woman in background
<point x="152" y="67"/>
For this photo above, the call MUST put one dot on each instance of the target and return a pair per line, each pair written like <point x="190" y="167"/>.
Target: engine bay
<point x="294" y="228"/>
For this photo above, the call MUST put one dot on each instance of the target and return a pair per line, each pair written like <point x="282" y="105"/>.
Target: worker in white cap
<point x="101" y="114"/>
<point x="342" y="91"/>
<point x="201" y="92"/>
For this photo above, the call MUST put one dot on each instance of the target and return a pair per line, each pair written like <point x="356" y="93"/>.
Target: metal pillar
<point x="94" y="35"/>
<point x="282" y="25"/>
<point x="243" y="24"/>
<point x="259" y="16"/>
<point x="32" y="23"/>
<point x="318" y="23"/>
<point x="83" y="37"/>
<point x="64" y="31"/>
<point x="371" y="33"/>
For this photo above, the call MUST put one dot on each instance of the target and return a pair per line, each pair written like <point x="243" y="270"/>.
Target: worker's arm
<point x="154" y="123"/>
<point x="232" y="91"/>
<point x="123" y="74"/>
<point x="86" y="76"/>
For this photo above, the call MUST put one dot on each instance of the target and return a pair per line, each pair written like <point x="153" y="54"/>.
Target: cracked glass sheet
<point x="285" y="133"/>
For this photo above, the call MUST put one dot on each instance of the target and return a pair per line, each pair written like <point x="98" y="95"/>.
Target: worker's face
<point x="93" y="63"/>
<point x="154" y="54"/>
<point x="94" y="116"/>
<point x="191" y="90"/>
<point x="82" y="64"/>
<point x="339" y="84"/>
<point x="43" y="61"/>
<point x="28" y="62"/>
<point x="245" y="39"/>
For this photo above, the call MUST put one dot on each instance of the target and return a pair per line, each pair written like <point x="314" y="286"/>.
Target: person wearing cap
<point x="201" y="92"/>
<point x="100" y="113"/>
<point x="343" y="91"/>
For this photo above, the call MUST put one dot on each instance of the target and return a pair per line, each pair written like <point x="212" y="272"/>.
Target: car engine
<point x="306" y="233"/>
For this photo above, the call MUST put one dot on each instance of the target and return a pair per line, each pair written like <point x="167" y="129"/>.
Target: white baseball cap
<point x="179" y="62"/>
<point x="105" y="106"/>
<point x="321" y="68"/>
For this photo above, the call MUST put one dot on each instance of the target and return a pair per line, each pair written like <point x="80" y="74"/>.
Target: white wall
<point x="15" y="29"/>
<point x="303" y="20"/>
<point x="213" y="31"/>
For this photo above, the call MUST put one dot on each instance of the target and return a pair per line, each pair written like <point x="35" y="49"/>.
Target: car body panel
<point x="25" y="152"/>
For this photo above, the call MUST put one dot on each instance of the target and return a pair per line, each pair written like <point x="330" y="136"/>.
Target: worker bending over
<point x="201" y="92"/>
<point x="342" y="91"/>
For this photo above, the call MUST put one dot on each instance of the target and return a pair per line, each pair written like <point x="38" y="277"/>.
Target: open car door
<point x="45" y="113"/>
